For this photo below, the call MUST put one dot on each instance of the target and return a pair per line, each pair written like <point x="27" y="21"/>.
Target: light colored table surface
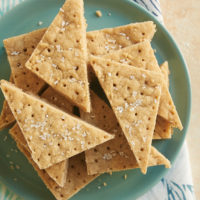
<point x="182" y="18"/>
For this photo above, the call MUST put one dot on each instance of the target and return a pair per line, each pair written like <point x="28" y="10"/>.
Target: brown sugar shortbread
<point x="20" y="48"/>
<point x="57" y="172"/>
<point x="101" y="42"/>
<point x="164" y="67"/>
<point x="76" y="180"/>
<point x="142" y="56"/>
<point x="6" y="116"/>
<point x="114" y="155"/>
<point x="60" y="58"/>
<point x="134" y="95"/>
<point x="163" y="129"/>
<point x="51" y="134"/>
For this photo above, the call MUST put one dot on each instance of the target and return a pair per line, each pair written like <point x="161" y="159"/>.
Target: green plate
<point x="23" y="18"/>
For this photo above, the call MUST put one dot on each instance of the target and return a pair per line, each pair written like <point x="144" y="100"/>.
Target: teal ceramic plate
<point x="24" y="18"/>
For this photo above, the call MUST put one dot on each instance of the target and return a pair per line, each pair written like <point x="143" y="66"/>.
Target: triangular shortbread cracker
<point x="19" y="50"/>
<point x="52" y="135"/>
<point x="6" y="116"/>
<point x="57" y="172"/>
<point x="55" y="98"/>
<point x="114" y="155"/>
<point x="164" y="67"/>
<point x="163" y="129"/>
<point x="59" y="176"/>
<point x="101" y="42"/>
<point x="142" y="56"/>
<point x="76" y="180"/>
<point x="134" y="95"/>
<point x="60" y="58"/>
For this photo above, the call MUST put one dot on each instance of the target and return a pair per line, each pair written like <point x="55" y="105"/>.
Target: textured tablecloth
<point x="177" y="184"/>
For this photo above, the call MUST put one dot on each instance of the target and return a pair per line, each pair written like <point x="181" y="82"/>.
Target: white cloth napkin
<point x="177" y="184"/>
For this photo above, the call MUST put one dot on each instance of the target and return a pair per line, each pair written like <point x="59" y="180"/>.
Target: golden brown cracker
<point x="134" y="95"/>
<point x="163" y="129"/>
<point x="164" y="67"/>
<point x="107" y="40"/>
<point x="59" y="176"/>
<point x="6" y="116"/>
<point x="114" y="155"/>
<point x="52" y="135"/>
<point x="141" y="55"/>
<point x="58" y="172"/>
<point x="60" y="58"/>
<point x="53" y="97"/>
<point x="76" y="180"/>
<point x="18" y="50"/>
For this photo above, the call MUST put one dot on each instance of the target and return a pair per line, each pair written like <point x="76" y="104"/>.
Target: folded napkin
<point x="177" y="184"/>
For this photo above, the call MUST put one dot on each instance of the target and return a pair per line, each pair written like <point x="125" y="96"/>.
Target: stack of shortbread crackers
<point x="51" y="72"/>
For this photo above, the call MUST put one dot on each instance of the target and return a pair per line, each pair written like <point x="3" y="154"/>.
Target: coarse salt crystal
<point x="54" y="65"/>
<point x="71" y="139"/>
<point x="63" y="23"/>
<point x="144" y="139"/>
<point x="131" y="77"/>
<point x="58" y="47"/>
<point x="107" y="156"/>
<point x="62" y="59"/>
<point x="109" y="74"/>
<point x="134" y="93"/>
<point x="133" y="143"/>
<point x="143" y="75"/>
<point x="14" y="53"/>
<point x="61" y="10"/>
<point x="84" y="134"/>
<point x="56" y="82"/>
<point x="120" y="109"/>
<point x="72" y="80"/>
<point x="123" y="34"/>
<point x="123" y="61"/>
<point x="62" y="29"/>
<point x="112" y="41"/>
<point x="126" y="105"/>
<point x="19" y="111"/>
<point x="107" y="48"/>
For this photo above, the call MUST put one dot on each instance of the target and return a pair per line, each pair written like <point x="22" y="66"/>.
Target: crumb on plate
<point x="98" y="13"/>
